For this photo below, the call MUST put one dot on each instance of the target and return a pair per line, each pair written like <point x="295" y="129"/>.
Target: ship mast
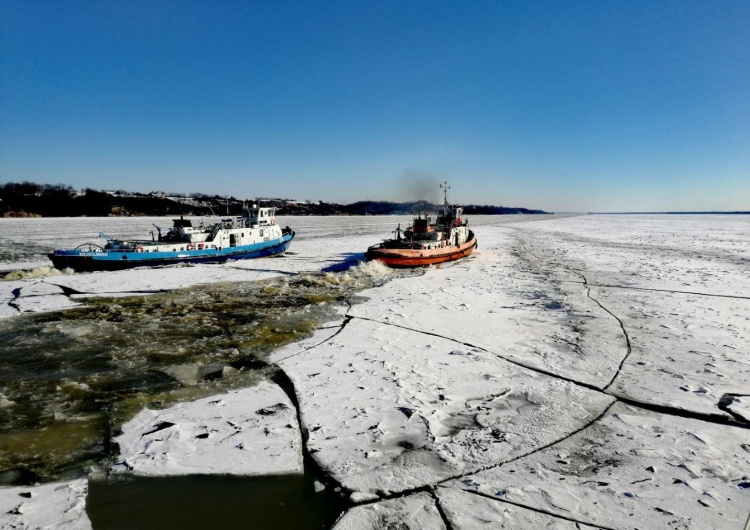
<point x="445" y="188"/>
<point x="446" y="205"/>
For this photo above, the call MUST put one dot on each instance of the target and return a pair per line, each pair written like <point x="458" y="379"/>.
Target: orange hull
<point x="407" y="257"/>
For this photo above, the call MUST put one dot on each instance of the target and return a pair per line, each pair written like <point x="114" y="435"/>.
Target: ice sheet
<point x="388" y="409"/>
<point x="679" y="287"/>
<point x="507" y="305"/>
<point x="633" y="469"/>
<point x="688" y="351"/>
<point x="507" y="355"/>
<point x="692" y="253"/>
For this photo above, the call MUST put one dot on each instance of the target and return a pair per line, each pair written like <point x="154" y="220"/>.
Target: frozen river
<point x="579" y="372"/>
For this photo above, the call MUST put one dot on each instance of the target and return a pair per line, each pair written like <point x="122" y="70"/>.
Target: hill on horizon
<point x="28" y="199"/>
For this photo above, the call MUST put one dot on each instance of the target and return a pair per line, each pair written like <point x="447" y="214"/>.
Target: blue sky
<point x="566" y="106"/>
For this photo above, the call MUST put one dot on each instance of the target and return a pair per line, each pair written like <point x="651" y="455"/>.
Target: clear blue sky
<point x="567" y="106"/>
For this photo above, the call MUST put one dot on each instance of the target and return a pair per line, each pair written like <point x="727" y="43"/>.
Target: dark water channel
<point x="70" y="379"/>
<point x="198" y="503"/>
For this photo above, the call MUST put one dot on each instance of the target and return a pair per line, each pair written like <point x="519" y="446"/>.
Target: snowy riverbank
<point x="582" y="372"/>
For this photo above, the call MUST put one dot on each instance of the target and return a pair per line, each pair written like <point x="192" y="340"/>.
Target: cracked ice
<point x="582" y="372"/>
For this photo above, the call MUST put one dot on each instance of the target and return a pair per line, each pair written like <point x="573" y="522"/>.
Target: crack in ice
<point x="538" y="449"/>
<point x="737" y="421"/>
<point x="441" y="511"/>
<point x="343" y="325"/>
<point x="479" y="348"/>
<point x="716" y="419"/>
<point x="629" y="348"/>
<point x="538" y="510"/>
<point x="652" y="289"/>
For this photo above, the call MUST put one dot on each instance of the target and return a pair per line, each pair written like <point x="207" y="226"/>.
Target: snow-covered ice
<point x="414" y="511"/>
<point x="55" y="506"/>
<point x="253" y="431"/>
<point x="739" y="406"/>
<point x="680" y="287"/>
<point x="468" y="511"/>
<point x="581" y="372"/>
<point x="388" y="409"/>
<point x="706" y="254"/>
<point x="499" y="302"/>
<point x="688" y="351"/>
<point x="634" y="468"/>
<point x="663" y="323"/>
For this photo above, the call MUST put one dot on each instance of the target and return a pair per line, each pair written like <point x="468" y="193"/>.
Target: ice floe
<point x="253" y="431"/>
<point x="739" y="406"/>
<point x="59" y="506"/>
<point x="413" y="511"/>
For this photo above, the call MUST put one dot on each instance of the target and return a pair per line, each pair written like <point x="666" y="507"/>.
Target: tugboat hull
<point x="415" y="257"/>
<point x="427" y="242"/>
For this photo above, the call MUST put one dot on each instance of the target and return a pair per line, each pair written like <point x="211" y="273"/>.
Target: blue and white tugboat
<point x="255" y="234"/>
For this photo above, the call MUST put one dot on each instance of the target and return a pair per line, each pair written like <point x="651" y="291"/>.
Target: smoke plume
<point x="418" y="185"/>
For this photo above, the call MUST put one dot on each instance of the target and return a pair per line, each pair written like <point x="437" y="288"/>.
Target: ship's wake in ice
<point x="69" y="379"/>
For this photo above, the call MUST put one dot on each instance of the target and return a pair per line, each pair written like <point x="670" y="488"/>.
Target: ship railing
<point x="214" y="233"/>
<point x="114" y="245"/>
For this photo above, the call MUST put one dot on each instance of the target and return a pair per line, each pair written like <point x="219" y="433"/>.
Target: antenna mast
<point x="445" y="188"/>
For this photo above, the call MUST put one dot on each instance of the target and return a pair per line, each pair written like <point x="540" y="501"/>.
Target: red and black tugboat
<point x="426" y="242"/>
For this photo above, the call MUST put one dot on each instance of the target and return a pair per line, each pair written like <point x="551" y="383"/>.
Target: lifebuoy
<point x="200" y="246"/>
<point x="190" y="246"/>
<point x="139" y="249"/>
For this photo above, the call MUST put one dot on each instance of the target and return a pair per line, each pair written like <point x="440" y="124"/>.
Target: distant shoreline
<point x="739" y="212"/>
<point x="28" y="199"/>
